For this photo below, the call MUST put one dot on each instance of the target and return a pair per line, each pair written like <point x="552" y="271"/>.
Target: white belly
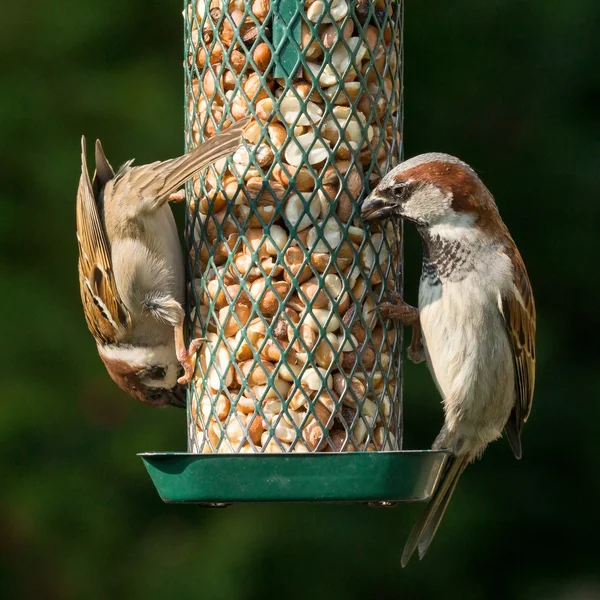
<point x="469" y="355"/>
<point x="153" y="269"/>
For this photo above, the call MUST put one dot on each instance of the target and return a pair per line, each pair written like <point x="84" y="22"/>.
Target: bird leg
<point x="186" y="356"/>
<point x="408" y="315"/>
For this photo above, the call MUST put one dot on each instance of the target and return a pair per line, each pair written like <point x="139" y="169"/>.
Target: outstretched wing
<point x="154" y="182"/>
<point x="107" y="317"/>
<point x="518" y="309"/>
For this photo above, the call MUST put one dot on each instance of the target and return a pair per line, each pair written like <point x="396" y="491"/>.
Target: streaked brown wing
<point x="518" y="310"/>
<point x="160" y="179"/>
<point x="106" y="315"/>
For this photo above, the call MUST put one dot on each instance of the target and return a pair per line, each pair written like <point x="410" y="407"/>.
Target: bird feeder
<point x="298" y="387"/>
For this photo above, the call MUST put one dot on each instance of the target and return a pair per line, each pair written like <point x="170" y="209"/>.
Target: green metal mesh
<point x="286" y="276"/>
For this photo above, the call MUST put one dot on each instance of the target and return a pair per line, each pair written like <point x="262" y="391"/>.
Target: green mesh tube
<point x="286" y="277"/>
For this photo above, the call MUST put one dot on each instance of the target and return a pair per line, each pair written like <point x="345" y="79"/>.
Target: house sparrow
<point x="476" y="314"/>
<point x="131" y="269"/>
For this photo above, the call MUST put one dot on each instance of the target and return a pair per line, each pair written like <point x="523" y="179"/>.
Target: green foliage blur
<point x="511" y="87"/>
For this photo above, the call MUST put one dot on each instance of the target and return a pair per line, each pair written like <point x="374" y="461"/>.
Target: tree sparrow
<point x="131" y="269"/>
<point x="475" y="324"/>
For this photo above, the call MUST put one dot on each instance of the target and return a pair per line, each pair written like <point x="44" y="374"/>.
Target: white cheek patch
<point x="454" y="226"/>
<point x="427" y="204"/>
<point x="168" y="381"/>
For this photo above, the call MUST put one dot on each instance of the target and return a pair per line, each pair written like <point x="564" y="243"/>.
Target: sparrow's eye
<point x="400" y="188"/>
<point x="154" y="372"/>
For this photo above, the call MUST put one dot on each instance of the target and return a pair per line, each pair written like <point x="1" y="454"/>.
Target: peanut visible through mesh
<point x="286" y="276"/>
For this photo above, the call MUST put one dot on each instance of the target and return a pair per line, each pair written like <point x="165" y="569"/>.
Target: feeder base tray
<point x="217" y="479"/>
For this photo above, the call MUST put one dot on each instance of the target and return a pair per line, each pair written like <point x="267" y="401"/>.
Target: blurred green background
<point x="511" y="87"/>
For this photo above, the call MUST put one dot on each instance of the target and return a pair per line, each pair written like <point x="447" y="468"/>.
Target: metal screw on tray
<point x="286" y="277"/>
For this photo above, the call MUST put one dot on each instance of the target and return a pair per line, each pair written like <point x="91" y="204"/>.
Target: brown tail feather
<point x="425" y="528"/>
<point x="436" y="518"/>
<point x="513" y="433"/>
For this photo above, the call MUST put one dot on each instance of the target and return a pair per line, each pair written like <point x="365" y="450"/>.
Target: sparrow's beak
<point x="159" y="397"/>
<point x="375" y="207"/>
<point x="177" y="396"/>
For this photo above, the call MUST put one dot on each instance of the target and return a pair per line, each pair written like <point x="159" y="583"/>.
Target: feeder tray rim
<point x="216" y="479"/>
<point x="294" y="455"/>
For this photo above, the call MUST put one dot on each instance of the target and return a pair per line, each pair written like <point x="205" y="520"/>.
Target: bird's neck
<point x="446" y="257"/>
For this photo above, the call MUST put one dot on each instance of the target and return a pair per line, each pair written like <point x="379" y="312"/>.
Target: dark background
<point x="511" y="87"/>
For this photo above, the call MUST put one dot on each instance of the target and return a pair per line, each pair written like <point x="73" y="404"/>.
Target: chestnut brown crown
<point x="432" y="189"/>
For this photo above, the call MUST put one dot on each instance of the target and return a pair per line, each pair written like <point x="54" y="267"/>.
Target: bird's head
<point x="147" y="374"/>
<point x="431" y="190"/>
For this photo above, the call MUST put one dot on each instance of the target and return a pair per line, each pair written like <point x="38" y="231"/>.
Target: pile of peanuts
<point x="287" y="277"/>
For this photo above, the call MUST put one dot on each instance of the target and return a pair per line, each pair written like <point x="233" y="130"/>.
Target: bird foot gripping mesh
<point x="286" y="276"/>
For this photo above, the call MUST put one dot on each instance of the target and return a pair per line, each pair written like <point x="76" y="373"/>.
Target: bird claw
<point x="178" y="196"/>
<point x="396" y="297"/>
<point x="187" y="358"/>
<point x="416" y="353"/>
<point x="397" y="308"/>
<point x="408" y="315"/>
<point x="386" y="309"/>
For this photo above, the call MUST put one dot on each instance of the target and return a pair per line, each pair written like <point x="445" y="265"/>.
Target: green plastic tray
<point x="407" y="476"/>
